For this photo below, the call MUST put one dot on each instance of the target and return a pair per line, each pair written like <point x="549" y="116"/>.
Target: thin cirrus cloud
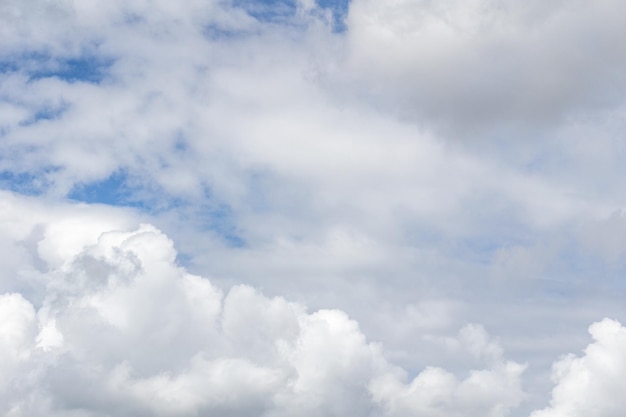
<point x="357" y="183"/>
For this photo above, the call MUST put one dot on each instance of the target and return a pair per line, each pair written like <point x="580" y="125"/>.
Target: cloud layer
<point x="348" y="185"/>
<point x="484" y="62"/>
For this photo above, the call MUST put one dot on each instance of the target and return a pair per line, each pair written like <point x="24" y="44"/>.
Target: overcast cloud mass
<point x="325" y="208"/>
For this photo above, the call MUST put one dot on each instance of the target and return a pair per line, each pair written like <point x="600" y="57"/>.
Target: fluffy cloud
<point x="123" y="329"/>
<point x="436" y="392"/>
<point x="16" y="330"/>
<point x="592" y="383"/>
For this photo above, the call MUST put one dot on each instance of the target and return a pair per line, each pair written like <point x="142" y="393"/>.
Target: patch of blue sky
<point x="26" y="183"/>
<point x="283" y="11"/>
<point x="8" y="66"/>
<point x="221" y="220"/>
<point x="218" y="33"/>
<point x="268" y="10"/>
<point x="339" y="10"/>
<point x="83" y="69"/>
<point x="50" y="113"/>
<point x="88" y="68"/>
<point x="184" y="259"/>
<point x="46" y="113"/>
<point x="181" y="145"/>
<point x="121" y="190"/>
<point x="215" y="216"/>
<point x="25" y="62"/>
<point x="113" y="190"/>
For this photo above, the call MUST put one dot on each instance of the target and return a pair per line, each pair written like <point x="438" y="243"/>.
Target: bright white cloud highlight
<point x="592" y="384"/>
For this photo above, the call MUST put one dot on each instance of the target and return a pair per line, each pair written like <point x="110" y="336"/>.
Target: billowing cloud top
<point x="316" y="208"/>
<point x="122" y="329"/>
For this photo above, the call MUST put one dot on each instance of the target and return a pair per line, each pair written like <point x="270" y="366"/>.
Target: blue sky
<point x="315" y="208"/>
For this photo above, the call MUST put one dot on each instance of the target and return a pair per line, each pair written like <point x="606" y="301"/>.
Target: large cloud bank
<point x="123" y="330"/>
<point x="119" y="328"/>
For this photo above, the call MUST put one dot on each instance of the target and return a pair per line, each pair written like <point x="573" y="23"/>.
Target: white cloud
<point x="16" y="329"/>
<point x="136" y="333"/>
<point x="316" y="167"/>
<point x="591" y="384"/>
<point x="436" y="392"/>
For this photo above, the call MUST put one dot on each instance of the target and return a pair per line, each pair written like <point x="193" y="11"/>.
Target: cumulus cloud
<point x="436" y="392"/>
<point x="591" y="383"/>
<point x="123" y="329"/>
<point x="16" y="328"/>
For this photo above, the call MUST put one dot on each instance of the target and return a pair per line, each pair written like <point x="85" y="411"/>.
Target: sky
<point x="399" y="208"/>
